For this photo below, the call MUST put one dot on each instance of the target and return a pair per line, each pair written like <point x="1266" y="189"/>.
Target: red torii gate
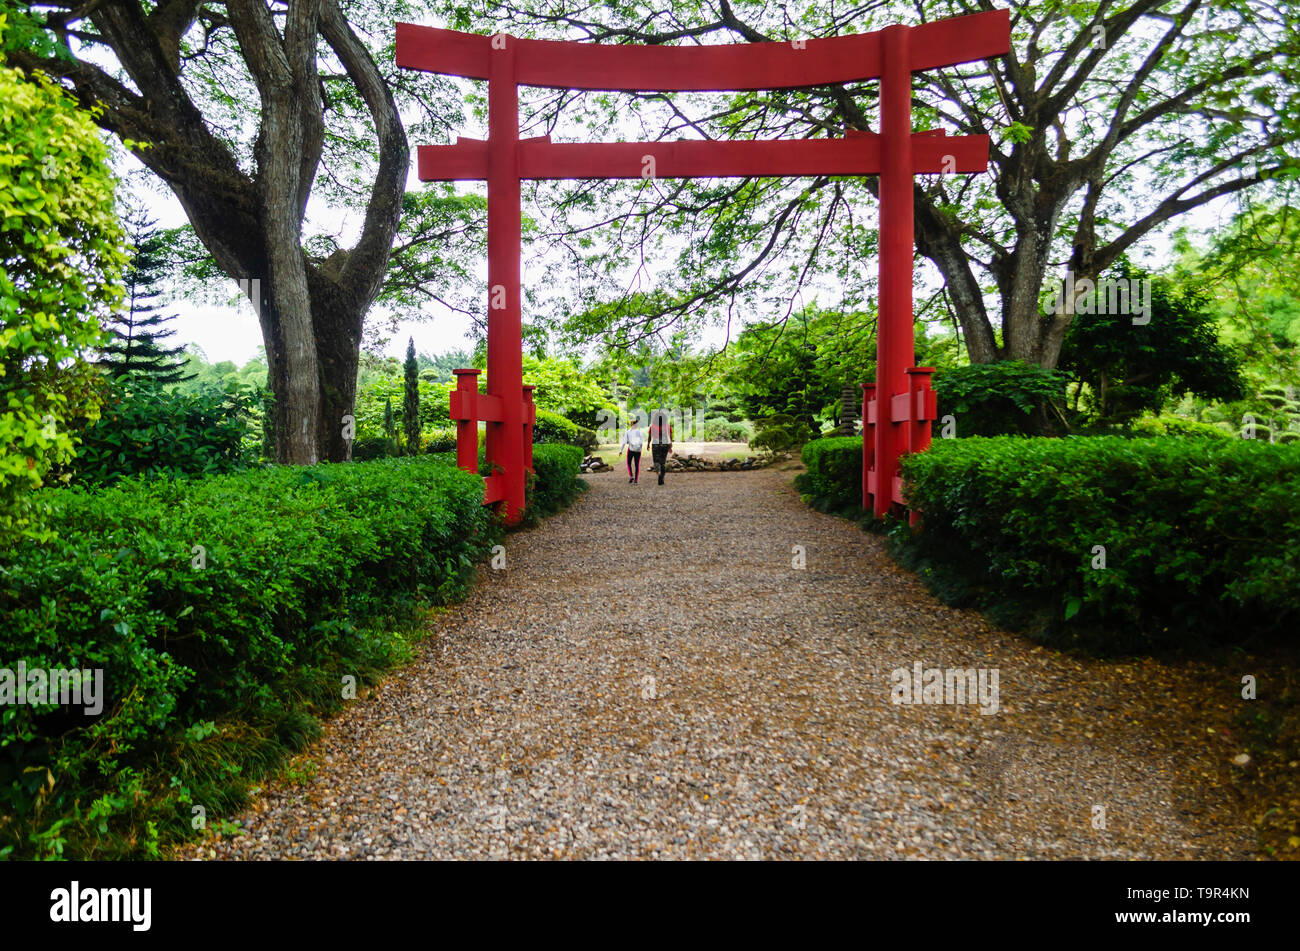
<point x="895" y="154"/>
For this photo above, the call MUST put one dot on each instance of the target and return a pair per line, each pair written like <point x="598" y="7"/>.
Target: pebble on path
<point x="652" y="675"/>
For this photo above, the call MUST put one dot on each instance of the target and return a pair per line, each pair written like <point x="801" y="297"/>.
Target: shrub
<point x="555" y="483"/>
<point x="60" y="273"/>
<point x="1198" y="536"/>
<point x="439" y="440"/>
<point x="1178" y="426"/>
<point x="434" y="406"/>
<point x="997" y="399"/>
<point x="148" y="430"/>
<point x="721" y="429"/>
<point x="780" y="433"/>
<point x="554" y="428"/>
<point x="224" y="612"/>
<point x="833" y="482"/>
<point x="374" y="447"/>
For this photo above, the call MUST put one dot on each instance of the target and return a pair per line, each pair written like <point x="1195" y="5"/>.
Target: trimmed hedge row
<point x="555" y="483"/>
<point x="237" y="599"/>
<point x="833" y="482"/>
<point x="1199" y="536"/>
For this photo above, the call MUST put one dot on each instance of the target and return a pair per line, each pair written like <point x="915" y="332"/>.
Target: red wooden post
<point x="868" y="442"/>
<point x="894" y="349"/>
<point x="464" y="409"/>
<point x="924" y="409"/>
<point x="530" y="419"/>
<point x="921" y="402"/>
<point x="505" y="336"/>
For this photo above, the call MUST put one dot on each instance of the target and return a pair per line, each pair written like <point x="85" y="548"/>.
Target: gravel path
<point x="529" y="725"/>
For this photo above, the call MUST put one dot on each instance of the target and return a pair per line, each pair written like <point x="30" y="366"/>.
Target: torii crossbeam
<point x="896" y="153"/>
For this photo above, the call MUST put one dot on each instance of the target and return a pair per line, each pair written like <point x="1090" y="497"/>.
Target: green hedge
<point x="217" y="659"/>
<point x="554" y="428"/>
<point x="555" y="483"/>
<point x="833" y="482"/>
<point x="147" y="430"/>
<point x="1199" y="536"/>
<point x="369" y="448"/>
<point x="1177" y="426"/>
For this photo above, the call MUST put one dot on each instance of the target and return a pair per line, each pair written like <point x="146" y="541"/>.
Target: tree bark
<point x="311" y="311"/>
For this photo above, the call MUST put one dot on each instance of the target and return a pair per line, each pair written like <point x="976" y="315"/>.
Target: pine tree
<point x="411" y="400"/>
<point x="390" y="425"/>
<point x="138" y="328"/>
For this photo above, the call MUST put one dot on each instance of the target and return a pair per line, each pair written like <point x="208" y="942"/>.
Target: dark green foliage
<point x="139" y="327"/>
<point x="375" y="447"/>
<point x="555" y="483"/>
<point x="998" y="399"/>
<point x="780" y="433"/>
<point x="217" y="659"/>
<point x="146" y="429"/>
<point x="1199" y="537"/>
<point x="1132" y="368"/>
<point x="795" y="368"/>
<point x="554" y="428"/>
<point x="411" y="401"/>
<point x="833" y="482"/>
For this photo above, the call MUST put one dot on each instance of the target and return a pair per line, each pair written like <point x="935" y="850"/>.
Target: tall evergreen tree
<point x="138" y="329"/>
<point x="411" y="400"/>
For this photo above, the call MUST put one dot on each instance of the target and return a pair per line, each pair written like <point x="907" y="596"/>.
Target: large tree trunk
<point x="310" y="310"/>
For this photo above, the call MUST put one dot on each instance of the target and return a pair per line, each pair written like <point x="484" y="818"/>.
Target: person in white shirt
<point x="633" y="441"/>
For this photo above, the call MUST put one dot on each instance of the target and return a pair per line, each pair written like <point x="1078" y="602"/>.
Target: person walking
<point x="661" y="440"/>
<point x="633" y="440"/>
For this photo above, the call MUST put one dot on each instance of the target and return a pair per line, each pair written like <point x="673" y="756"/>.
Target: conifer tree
<point x="411" y="400"/>
<point x="138" y="328"/>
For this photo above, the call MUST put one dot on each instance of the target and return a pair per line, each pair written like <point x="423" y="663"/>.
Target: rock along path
<point x="651" y="676"/>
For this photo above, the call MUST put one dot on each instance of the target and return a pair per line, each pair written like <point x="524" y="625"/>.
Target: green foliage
<point x="375" y="447"/>
<point x="780" y="433"/>
<point x="147" y="429"/>
<point x="722" y="429"/>
<point x="439" y="440"/>
<point x="60" y="275"/>
<point x="139" y="328"/>
<point x="1133" y="368"/>
<point x="1198" y="537"/>
<point x="554" y="428"/>
<point x="555" y="483"/>
<point x="1178" y="426"/>
<point x="224" y="612"/>
<point x="995" y="399"/>
<point x="438" y="368"/>
<point x="833" y="480"/>
<point x="780" y="368"/>
<point x="1248" y="272"/>
<point x="411" y="401"/>
<point x="564" y="387"/>
<point x="199" y="374"/>
<point x="374" y="398"/>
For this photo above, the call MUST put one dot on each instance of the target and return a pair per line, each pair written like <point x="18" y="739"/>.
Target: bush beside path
<point x="651" y="677"/>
